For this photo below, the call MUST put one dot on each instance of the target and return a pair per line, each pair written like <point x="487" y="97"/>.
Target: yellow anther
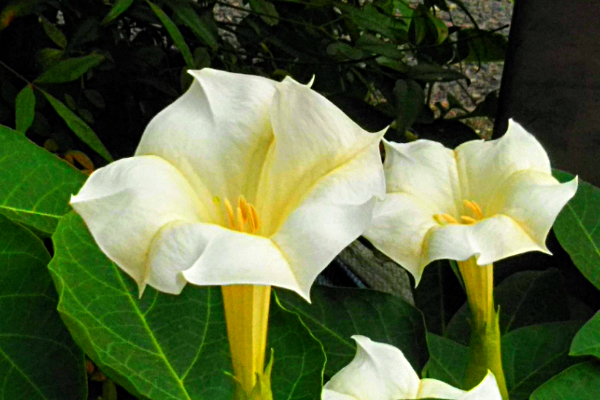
<point x="474" y="207"/>
<point x="255" y="219"/>
<point x="230" y="215"/>
<point x="251" y="222"/>
<point x="468" y="220"/>
<point x="243" y="205"/>
<point x="240" y="220"/>
<point x="444" y="219"/>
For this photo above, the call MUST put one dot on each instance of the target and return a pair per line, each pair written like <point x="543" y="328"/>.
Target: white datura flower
<point x="242" y="180"/>
<point x="380" y="371"/>
<point x="485" y="199"/>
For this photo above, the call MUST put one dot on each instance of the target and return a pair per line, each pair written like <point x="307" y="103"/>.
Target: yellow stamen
<point x="243" y="205"/>
<point x="256" y="221"/>
<point x="474" y="207"/>
<point x="241" y="226"/>
<point x="230" y="215"/>
<point x="449" y="218"/>
<point x="468" y="220"/>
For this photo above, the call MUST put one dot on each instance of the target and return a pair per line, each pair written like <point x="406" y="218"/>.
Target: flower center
<point x="445" y="219"/>
<point x="244" y="218"/>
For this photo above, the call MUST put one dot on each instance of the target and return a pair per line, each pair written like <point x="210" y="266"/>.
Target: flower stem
<point x="485" y="346"/>
<point x="247" y="316"/>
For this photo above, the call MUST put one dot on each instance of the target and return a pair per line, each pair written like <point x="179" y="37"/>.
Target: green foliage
<point x="36" y="192"/>
<point x="163" y="346"/>
<point x="576" y="231"/>
<point x="587" y="340"/>
<point x="338" y="313"/>
<point x="581" y="381"/>
<point x="25" y="109"/>
<point x="38" y="358"/>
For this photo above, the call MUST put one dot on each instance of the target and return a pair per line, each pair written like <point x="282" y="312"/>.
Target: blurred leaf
<point x="95" y="98"/>
<point x="86" y="115"/>
<point x="189" y="17"/>
<point x="534" y="354"/>
<point x="392" y="64"/>
<point x="47" y="57"/>
<point x="343" y="51"/>
<point x="25" y="109"/>
<point x="117" y="9"/>
<point x="465" y="9"/>
<point x="201" y="58"/>
<point x="434" y="73"/>
<point x="525" y="298"/>
<point x="36" y="192"/>
<point x="447" y="360"/>
<point x="587" y="340"/>
<point x="576" y="228"/>
<point x="16" y="8"/>
<point x="70" y="101"/>
<point x="267" y="11"/>
<point x="79" y="127"/>
<point x="370" y="43"/>
<point x="481" y="46"/>
<point x="338" y="313"/>
<point x="371" y="19"/>
<point x="410" y="101"/>
<point x="175" y="34"/>
<point x="440" y="27"/>
<point x="87" y="31"/>
<point x="70" y="69"/>
<point x="54" y="33"/>
<point x="38" y="359"/>
<point x="579" y="382"/>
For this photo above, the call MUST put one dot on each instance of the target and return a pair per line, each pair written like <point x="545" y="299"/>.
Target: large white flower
<point x="487" y="199"/>
<point x="380" y="371"/>
<point x="242" y="180"/>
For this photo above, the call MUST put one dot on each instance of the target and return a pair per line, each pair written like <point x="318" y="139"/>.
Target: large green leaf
<point x="338" y="313"/>
<point x="534" y="354"/>
<point x="25" y="109"/>
<point x="35" y="185"/>
<point x="175" y="34"/>
<point x="164" y="346"/>
<point x="579" y="382"/>
<point x="299" y="357"/>
<point x="576" y="228"/>
<point x="447" y="360"/>
<point x="525" y="298"/>
<point x="38" y="358"/>
<point x="70" y="69"/>
<point x="54" y="33"/>
<point x="78" y="126"/>
<point x="266" y="10"/>
<point x="587" y="340"/>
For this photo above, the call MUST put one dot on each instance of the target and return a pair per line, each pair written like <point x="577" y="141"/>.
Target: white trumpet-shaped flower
<point x="242" y="180"/>
<point x="485" y="199"/>
<point x="380" y="371"/>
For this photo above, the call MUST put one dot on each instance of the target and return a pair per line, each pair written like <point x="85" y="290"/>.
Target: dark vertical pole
<point x="551" y="81"/>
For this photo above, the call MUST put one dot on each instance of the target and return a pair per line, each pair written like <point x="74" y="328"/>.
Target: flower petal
<point x="427" y="171"/>
<point x="378" y="371"/>
<point x="235" y="258"/>
<point x="323" y="225"/>
<point x="399" y="229"/>
<point x="533" y="199"/>
<point x="126" y="203"/>
<point x="486" y="390"/>
<point x="484" y="165"/>
<point x="217" y="133"/>
<point x="434" y="389"/>
<point x="313" y="138"/>
<point x="490" y="240"/>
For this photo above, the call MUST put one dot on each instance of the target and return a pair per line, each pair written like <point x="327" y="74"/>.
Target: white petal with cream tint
<point x="380" y="371"/>
<point x="490" y="200"/>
